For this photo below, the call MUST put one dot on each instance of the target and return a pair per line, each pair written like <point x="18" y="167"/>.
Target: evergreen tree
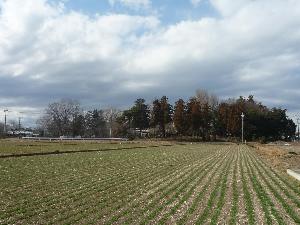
<point x="180" y="117"/>
<point x="161" y="114"/>
<point x="95" y="123"/>
<point x="140" y="115"/>
<point x="78" y="125"/>
<point x="194" y="116"/>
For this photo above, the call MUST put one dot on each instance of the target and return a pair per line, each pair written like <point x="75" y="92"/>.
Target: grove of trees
<point x="202" y="116"/>
<point x="67" y="118"/>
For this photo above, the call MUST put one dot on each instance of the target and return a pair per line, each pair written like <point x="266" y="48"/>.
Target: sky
<point x="107" y="53"/>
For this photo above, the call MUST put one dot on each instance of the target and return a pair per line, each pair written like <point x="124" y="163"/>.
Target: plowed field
<point x="179" y="184"/>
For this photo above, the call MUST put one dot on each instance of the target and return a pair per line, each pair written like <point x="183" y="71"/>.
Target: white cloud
<point x="47" y="52"/>
<point x="195" y="3"/>
<point x="229" y="7"/>
<point x="134" y="4"/>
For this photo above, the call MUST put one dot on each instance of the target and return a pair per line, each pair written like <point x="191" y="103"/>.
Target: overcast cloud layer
<point x="48" y="52"/>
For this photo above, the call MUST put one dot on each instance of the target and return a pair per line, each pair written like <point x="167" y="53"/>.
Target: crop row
<point x="37" y="188"/>
<point x="187" y="184"/>
<point x="279" y="202"/>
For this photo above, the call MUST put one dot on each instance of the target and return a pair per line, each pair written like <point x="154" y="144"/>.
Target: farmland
<point x="156" y="184"/>
<point x="17" y="147"/>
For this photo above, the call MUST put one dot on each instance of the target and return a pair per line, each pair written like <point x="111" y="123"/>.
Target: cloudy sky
<point x="109" y="52"/>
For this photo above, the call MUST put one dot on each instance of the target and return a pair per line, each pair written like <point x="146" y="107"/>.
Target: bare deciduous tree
<point x="110" y="115"/>
<point x="59" y="117"/>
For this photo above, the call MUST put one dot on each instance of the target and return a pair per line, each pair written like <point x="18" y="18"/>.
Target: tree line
<point x="67" y="118"/>
<point x="202" y="116"/>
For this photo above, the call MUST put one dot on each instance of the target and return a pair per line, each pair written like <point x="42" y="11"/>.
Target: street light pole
<point x="298" y="122"/>
<point x="242" y="115"/>
<point x="110" y="121"/>
<point x="5" y="111"/>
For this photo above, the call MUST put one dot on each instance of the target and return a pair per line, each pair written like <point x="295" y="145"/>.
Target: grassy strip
<point x="186" y="196"/>
<point x="220" y="183"/>
<point x="83" y="207"/>
<point x="220" y="204"/>
<point x="83" y="189"/>
<point x="286" y="206"/>
<point x="75" y="216"/>
<point x="125" y="211"/>
<point x="80" y="199"/>
<point x="47" y="201"/>
<point x="154" y="202"/>
<point x="196" y="201"/>
<point x="32" y="181"/>
<point x="80" y="178"/>
<point x="264" y="198"/>
<point x="133" y="195"/>
<point x="56" y="152"/>
<point x="247" y="197"/>
<point x="183" y="186"/>
<point x="235" y="196"/>
<point x="292" y="185"/>
<point x="116" y="197"/>
<point x="174" y="191"/>
<point x="51" y="201"/>
<point x="285" y="190"/>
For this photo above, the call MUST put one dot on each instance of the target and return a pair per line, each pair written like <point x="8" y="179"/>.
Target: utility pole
<point x="110" y="129"/>
<point x="19" y="123"/>
<point x="20" y="135"/>
<point x="242" y="115"/>
<point x="298" y="122"/>
<point x="5" y="130"/>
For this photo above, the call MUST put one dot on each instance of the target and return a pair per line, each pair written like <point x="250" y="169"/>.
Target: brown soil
<point x="280" y="157"/>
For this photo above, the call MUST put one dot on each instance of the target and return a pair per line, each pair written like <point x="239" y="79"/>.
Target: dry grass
<point x="279" y="156"/>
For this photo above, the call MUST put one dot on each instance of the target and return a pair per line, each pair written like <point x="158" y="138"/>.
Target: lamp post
<point x="5" y="111"/>
<point x="242" y="115"/>
<point x="20" y="117"/>
<point x="110" y="122"/>
<point x="298" y="122"/>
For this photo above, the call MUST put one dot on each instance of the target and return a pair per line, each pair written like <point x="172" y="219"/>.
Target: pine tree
<point x="140" y="115"/>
